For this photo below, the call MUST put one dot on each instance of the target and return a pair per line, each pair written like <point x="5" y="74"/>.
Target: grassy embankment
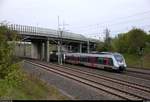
<point x="31" y="88"/>
<point x="134" y="60"/>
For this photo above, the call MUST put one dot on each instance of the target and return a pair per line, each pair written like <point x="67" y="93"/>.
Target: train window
<point x="92" y="59"/>
<point x="100" y="60"/>
<point x="89" y="59"/>
<point x="81" y="59"/>
<point x="84" y="59"/>
<point x="118" y="57"/>
<point x="70" y="58"/>
<point x="96" y="60"/>
<point x="110" y="61"/>
<point x="106" y="61"/>
<point x="76" y="58"/>
<point x="66" y="57"/>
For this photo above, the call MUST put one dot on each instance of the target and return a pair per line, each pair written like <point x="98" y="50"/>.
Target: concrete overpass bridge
<point x="40" y="39"/>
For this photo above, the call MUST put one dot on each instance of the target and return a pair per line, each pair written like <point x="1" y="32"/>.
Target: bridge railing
<point x="31" y="30"/>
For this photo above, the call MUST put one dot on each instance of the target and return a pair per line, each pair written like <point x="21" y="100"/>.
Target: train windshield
<point x="118" y="57"/>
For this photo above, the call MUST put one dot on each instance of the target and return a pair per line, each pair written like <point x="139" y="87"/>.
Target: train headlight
<point x="125" y="65"/>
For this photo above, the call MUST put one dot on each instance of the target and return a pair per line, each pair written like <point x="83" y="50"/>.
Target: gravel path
<point x="71" y="88"/>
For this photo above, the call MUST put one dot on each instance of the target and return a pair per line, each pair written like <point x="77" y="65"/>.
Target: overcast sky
<point x="87" y="17"/>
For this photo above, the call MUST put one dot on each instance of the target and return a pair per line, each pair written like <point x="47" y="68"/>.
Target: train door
<point x="92" y="61"/>
<point x="84" y="60"/>
<point x="100" y="62"/>
<point x="73" y="59"/>
<point x="106" y="61"/>
<point x="76" y="60"/>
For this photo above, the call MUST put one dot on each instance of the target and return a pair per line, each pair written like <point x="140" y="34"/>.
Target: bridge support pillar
<point x="70" y="48"/>
<point x="58" y="50"/>
<point x="35" y="50"/>
<point x="80" y="47"/>
<point x="88" y="47"/>
<point x="47" y="51"/>
<point x="42" y="51"/>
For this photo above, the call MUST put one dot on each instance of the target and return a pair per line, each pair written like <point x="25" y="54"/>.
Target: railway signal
<point x="141" y="51"/>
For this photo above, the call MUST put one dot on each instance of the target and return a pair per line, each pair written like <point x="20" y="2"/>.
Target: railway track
<point x="112" y="86"/>
<point x="137" y="74"/>
<point x="147" y="73"/>
<point x="133" y="75"/>
<point x="140" y="74"/>
<point x="123" y="82"/>
<point x="110" y="79"/>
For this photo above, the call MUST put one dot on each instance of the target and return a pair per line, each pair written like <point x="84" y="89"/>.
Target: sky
<point x="87" y="17"/>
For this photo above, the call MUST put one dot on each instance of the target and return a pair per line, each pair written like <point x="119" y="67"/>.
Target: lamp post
<point x="61" y="47"/>
<point x="60" y="42"/>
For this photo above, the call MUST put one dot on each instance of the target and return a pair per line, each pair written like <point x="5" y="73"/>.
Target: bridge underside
<point x="40" y="47"/>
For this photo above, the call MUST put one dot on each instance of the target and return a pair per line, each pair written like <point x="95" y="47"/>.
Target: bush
<point x="14" y="79"/>
<point x="10" y="72"/>
<point x="6" y="50"/>
<point x="15" y="76"/>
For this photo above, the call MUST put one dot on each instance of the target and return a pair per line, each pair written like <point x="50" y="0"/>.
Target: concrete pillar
<point x="58" y="49"/>
<point x="88" y="46"/>
<point x="34" y="50"/>
<point x="70" y="48"/>
<point x="47" y="51"/>
<point x="42" y="51"/>
<point x="80" y="47"/>
<point x="67" y="48"/>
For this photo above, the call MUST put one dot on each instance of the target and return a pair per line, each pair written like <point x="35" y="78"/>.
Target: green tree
<point x="120" y="43"/>
<point x="148" y="38"/>
<point x="6" y="50"/>
<point x="104" y="46"/>
<point x="130" y="42"/>
<point x="11" y="75"/>
<point x="99" y="46"/>
<point x="136" y="39"/>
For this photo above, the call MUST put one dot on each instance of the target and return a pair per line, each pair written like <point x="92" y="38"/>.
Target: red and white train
<point x="106" y="60"/>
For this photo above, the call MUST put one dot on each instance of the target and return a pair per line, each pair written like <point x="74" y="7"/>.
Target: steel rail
<point x="108" y="89"/>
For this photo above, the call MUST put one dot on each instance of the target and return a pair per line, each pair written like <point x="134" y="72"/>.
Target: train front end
<point x="119" y="62"/>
